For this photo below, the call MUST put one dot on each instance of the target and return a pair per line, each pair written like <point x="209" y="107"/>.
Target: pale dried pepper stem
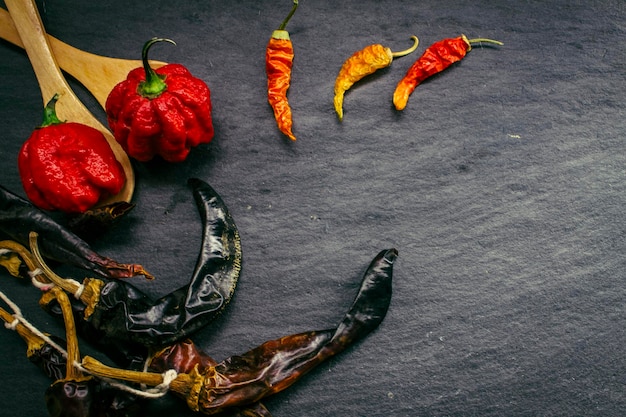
<point x="73" y="352"/>
<point x="88" y="292"/>
<point x="26" y="255"/>
<point x="479" y="40"/>
<point x="33" y="342"/>
<point x="98" y="369"/>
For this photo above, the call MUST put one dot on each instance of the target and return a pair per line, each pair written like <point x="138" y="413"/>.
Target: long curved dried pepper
<point x="275" y="365"/>
<point x="124" y="322"/>
<point x="361" y="64"/>
<point x="18" y="217"/>
<point x="435" y="59"/>
<point x="278" y="63"/>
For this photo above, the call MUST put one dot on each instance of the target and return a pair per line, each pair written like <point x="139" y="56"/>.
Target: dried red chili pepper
<point x="361" y="64"/>
<point x="275" y="365"/>
<point x="163" y="112"/>
<point x="68" y="166"/>
<point x="18" y="218"/>
<point x="278" y="63"/>
<point x="435" y="59"/>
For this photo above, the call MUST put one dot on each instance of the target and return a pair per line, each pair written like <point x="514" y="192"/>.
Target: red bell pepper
<point x="163" y="112"/>
<point x="68" y="166"/>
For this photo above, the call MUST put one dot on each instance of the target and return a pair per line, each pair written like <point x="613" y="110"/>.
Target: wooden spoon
<point x="99" y="74"/>
<point x="51" y="81"/>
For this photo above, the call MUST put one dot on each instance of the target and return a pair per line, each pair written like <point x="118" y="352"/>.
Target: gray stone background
<point x="502" y="185"/>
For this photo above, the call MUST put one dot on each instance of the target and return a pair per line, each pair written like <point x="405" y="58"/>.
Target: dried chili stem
<point x="407" y="51"/>
<point x="97" y="368"/>
<point x="73" y="353"/>
<point x="88" y="292"/>
<point x="65" y="284"/>
<point x="26" y="256"/>
<point x="33" y="342"/>
<point x="471" y="42"/>
<point x="283" y="25"/>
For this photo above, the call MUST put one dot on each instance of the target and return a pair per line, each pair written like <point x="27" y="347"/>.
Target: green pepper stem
<point x="49" y="113"/>
<point x="293" y="10"/>
<point x="479" y="40"/>
<point x="407" y="51"/>
<point x="154" y="84"/>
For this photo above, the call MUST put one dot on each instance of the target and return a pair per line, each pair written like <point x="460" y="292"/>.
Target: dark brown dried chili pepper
<point x="183" y="357"/>
<point x="361" y="64"/>
<point x="18" y="217"/>
<point x="278" y="62"/>
<point x="277" y="364"/>
<point x="125" y="322"/>
<point x="435" y="59"/>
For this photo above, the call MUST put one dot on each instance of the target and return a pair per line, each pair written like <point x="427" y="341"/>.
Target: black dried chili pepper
<point x="277" y="364"/>
<point x="125" y="322"/>
<point x="18" y="217"/>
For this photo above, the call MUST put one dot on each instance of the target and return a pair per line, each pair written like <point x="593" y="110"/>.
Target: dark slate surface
<point x="502" y="186"/>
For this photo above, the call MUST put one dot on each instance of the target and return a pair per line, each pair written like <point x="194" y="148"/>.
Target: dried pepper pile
<point x="132" y="329"/>
<point x="165" y="113"/>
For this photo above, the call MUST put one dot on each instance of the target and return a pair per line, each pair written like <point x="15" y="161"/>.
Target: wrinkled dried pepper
<point x="18" y="217"/>
<point x="278" y="63"/>
<point x="163" y="112"/>
<point x="68" y="166"/>
<point x="361" y="64"/>
<point x="435" y="59"/>
<point x="275" y="365"/>
<point x="125" y="322"/>
<point x="183" y="356"/>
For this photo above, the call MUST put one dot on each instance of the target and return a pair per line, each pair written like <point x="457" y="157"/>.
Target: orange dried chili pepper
<point x="278" y="63"/>
<point x="435" y="59"/>
<point x="361" y="64"/>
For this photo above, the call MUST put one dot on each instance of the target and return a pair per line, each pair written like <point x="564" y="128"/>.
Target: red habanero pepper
<point x="278" y="62"/>
<point x="435" y="59"/>
<point x="68" y="166"/>
<point x="163" y="112"/>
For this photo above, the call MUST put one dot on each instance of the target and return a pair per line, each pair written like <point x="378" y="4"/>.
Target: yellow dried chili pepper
<point x="363" y="63"/>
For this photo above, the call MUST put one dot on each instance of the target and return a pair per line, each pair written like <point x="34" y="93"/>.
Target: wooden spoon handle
<point x="32" y="33"/>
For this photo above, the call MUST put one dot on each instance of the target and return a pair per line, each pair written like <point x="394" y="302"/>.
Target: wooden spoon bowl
<point x="28" y="24"/>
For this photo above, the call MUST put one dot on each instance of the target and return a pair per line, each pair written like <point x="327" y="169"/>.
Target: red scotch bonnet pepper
<point x="68" y="166"/>
<point x="163" y="112"/>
